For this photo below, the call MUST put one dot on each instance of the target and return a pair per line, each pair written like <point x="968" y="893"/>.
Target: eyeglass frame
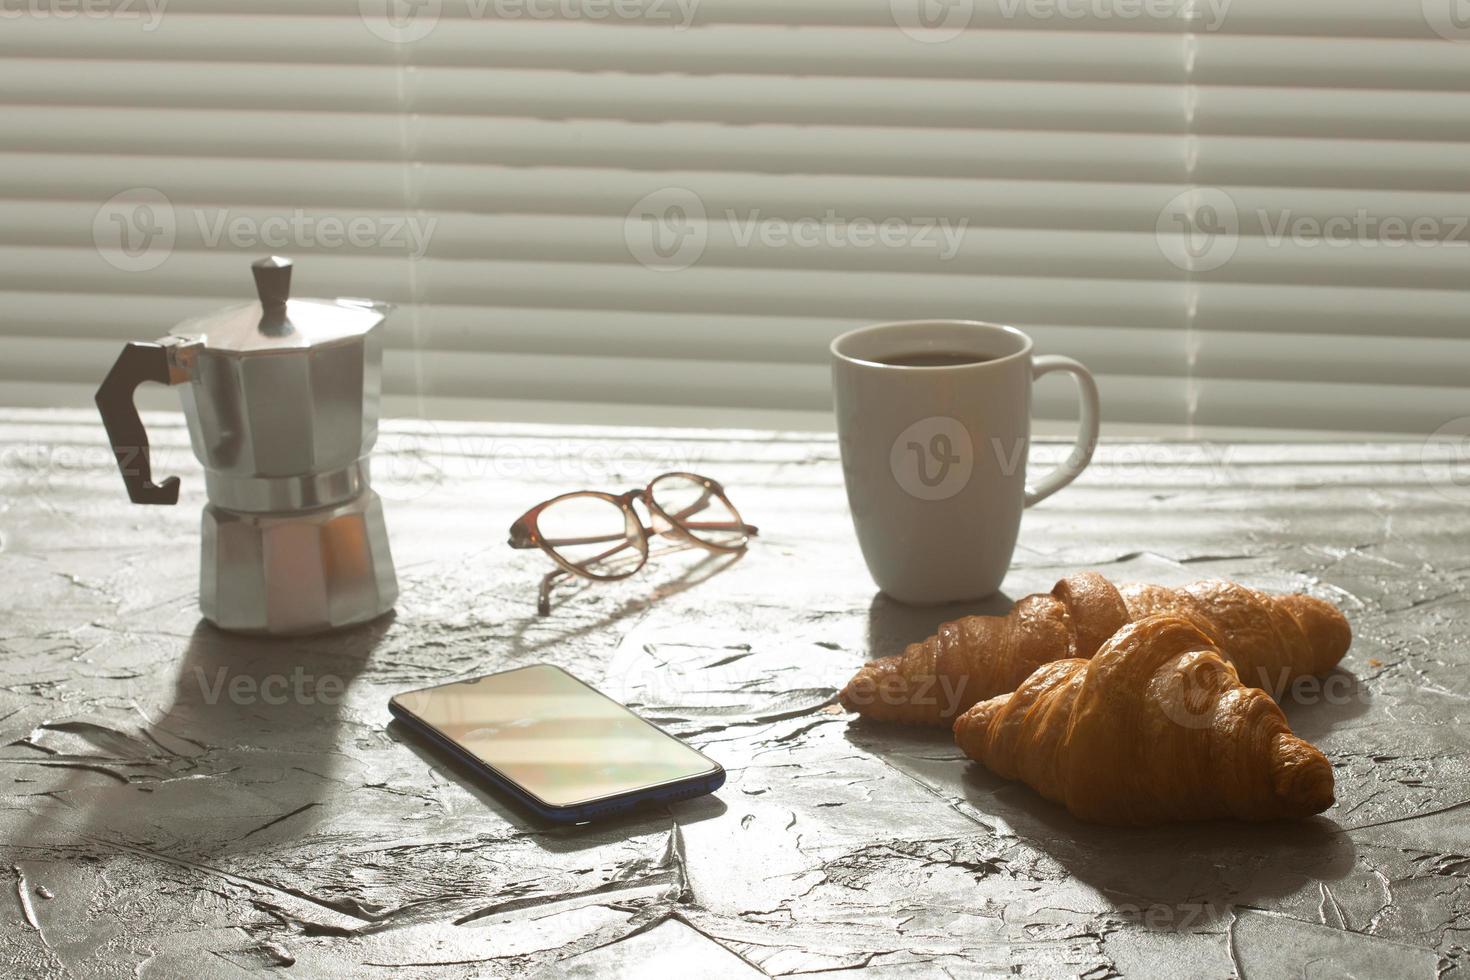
<point x="525" y="534"/>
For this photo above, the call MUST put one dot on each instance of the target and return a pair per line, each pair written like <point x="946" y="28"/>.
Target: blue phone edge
<point x="683" y="789"/>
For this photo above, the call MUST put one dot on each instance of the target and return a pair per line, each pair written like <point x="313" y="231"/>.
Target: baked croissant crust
<point x="1156" y="727"/>
<point x="1271" y="641"/>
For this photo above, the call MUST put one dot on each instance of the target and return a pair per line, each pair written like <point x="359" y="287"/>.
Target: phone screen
<point x="555" y="737"/>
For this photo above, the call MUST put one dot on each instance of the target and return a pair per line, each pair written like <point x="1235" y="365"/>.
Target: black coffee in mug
<point x="933" y="358"/>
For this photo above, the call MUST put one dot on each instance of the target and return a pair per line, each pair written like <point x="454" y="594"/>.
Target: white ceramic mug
<point x="935" y="457"/>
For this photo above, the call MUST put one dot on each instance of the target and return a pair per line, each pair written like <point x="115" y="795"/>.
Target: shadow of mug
<point x="893" y="625"/>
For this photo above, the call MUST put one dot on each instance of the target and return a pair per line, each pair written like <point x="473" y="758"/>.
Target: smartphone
<point x="562" y="749"/>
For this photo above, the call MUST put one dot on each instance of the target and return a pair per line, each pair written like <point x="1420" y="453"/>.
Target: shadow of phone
<point x="649" y="818"/>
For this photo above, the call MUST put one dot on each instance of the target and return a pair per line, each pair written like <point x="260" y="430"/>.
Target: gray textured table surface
<point x="163" y="817"/>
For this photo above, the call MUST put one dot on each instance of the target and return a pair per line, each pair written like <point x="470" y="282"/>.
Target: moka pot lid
<point x="276" y="323"/>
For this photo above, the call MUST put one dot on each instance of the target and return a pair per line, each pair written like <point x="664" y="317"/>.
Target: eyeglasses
<point x="600" y="536"/>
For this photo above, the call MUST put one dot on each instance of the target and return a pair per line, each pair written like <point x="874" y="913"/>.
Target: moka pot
<point x="281" y="397"/>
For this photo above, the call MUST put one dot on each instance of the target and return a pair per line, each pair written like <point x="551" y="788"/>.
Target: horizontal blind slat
<point x="217" y="87"/>
<point x="1324" y="113"/>
<point x="1053" y="54"/>
<point x="44" y="180"/>
<point x="733" y="337"/>
<point x="862" y="294"/>
<point x="1314" y="163"/>
<point x="732" y="237"/>
<point x="1373" y="362"/>
<point x="1311" y="404"/>
<point x="1329" y="311"/>
<point x="1319" y="20"/>
<point x="644" y="380"/>
<point x="929" y="152"/>
<point x="1312" y="60"/>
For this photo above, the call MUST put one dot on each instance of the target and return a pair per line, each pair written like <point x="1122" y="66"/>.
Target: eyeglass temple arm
<point x="747" y="529"/>
<point x="682" y="518"/>
<point x="744" y="528"/>
<point x="550" y="579"/>
<point x="594" y="539"/>
<point x="548" y="582"/>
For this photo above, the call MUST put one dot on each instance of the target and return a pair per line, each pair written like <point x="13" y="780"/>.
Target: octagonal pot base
<point x="298" y="573"/>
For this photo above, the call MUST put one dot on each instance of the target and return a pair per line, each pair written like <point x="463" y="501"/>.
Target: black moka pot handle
<point x="138" y="362"/>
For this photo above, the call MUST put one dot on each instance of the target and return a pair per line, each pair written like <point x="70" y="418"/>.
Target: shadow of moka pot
<point x="282" y="398"/>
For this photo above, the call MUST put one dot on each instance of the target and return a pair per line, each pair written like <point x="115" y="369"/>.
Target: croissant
<point x="1271" y="640"/>
<point x="1156" y="727"/>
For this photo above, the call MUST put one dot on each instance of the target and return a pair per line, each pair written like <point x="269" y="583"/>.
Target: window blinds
<point x="656" y="211"/>
<point x="1336" y="130"/>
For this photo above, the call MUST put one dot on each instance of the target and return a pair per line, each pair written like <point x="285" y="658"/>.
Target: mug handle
<point x="1086" y="428"/>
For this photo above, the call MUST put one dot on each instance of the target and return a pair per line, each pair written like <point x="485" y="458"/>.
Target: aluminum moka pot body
<point x="282" y="400"/>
